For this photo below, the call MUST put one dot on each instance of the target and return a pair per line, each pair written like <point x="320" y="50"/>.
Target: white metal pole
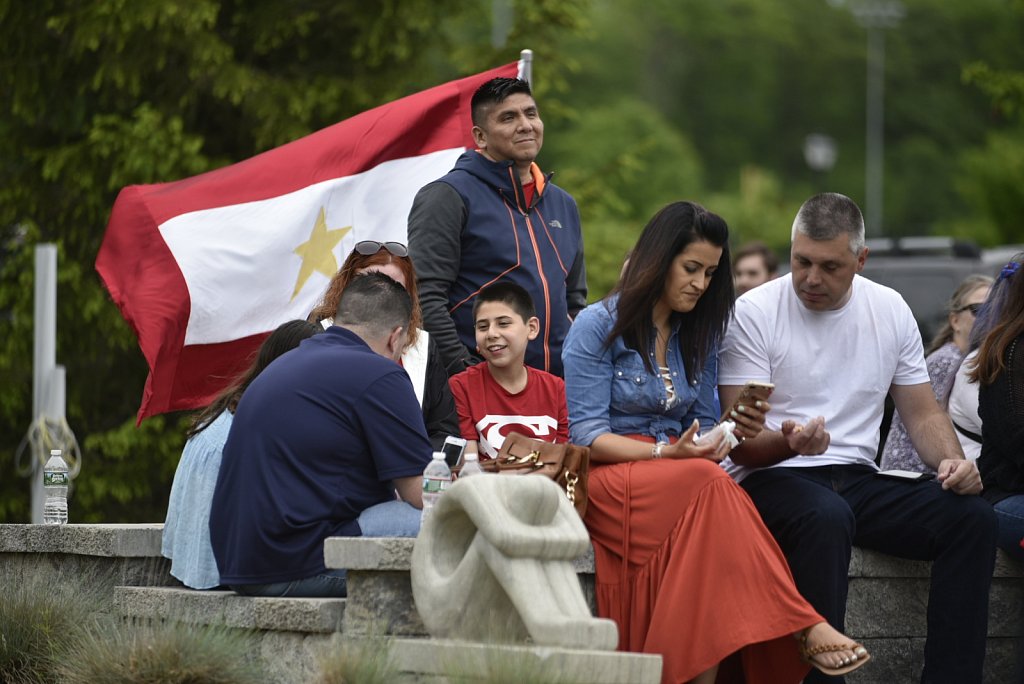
<point x="44" y="355"/>
<point x="526" y="66"/>
<point x="874" y="164"/>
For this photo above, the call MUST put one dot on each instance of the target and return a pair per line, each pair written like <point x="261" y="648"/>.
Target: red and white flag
<point x="204" y="268"/>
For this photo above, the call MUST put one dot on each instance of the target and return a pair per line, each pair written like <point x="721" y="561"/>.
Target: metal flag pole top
<point x="526" y="66"/>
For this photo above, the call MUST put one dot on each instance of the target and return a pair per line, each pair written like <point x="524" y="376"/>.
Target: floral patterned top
<point x="899" y="453"/>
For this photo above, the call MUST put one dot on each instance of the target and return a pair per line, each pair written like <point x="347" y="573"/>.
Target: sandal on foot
<point x="861" y="653"/>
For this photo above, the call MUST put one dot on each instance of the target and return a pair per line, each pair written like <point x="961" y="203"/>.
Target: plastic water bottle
<point x="55" y="488"/>
<point x="470" y="465"/>
<point x="436" y="479"/>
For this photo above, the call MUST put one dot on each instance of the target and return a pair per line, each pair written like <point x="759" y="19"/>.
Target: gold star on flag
<point x="318" y="252"/>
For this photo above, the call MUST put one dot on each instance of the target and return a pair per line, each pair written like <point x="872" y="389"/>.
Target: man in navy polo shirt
<point x="320" y="443"/>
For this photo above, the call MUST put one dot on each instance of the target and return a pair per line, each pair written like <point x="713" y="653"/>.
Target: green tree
<point x="100" y="94"/>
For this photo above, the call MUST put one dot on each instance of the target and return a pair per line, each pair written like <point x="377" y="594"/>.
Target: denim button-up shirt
<point x="608" y="389"/>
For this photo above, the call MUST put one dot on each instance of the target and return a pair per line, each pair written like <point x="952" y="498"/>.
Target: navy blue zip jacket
<point x="472" y="227"/>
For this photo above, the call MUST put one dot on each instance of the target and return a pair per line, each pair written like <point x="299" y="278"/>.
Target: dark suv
<point x="925" y="271"/>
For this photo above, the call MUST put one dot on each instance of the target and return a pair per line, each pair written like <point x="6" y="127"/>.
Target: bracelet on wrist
<point x="656" y="449"/>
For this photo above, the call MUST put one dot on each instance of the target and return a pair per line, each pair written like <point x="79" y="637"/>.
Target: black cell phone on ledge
<point x="452" y="449"/>
<point x="906" y="475"/>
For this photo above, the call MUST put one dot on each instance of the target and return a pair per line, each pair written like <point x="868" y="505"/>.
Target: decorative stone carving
<point x="493" y="562"/>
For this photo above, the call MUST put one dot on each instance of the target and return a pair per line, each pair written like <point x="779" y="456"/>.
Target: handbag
<point x="567" y="464"/>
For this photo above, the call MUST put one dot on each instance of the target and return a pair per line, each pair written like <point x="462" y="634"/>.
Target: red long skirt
<point x="686" y="569"/>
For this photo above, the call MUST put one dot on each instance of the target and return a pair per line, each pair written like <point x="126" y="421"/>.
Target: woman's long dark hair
<point x="642" y="284"/>
<point x="284" y="338"/>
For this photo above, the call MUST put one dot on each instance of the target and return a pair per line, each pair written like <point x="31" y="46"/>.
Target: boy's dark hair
<point x="517" y="298"/>
<point x="495" y="92"/>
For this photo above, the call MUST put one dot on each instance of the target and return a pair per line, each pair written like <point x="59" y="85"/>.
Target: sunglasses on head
<point x="973" y="308"/>
<point x="371" y="247"/>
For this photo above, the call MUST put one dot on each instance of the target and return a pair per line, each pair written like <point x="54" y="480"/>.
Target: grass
<point x="162" y="653"/>
<point x="41" y="618"/>
<point x="365" y="662"/>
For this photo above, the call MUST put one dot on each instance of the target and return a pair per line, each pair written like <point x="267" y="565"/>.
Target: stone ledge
<point x="307" y="615"/>
<point x="434" y="659"/>
<point x="116" y="541"/>
<point x="395" y="554"/>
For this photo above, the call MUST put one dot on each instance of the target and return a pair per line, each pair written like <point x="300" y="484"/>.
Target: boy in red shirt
<point x="503" y="395"/>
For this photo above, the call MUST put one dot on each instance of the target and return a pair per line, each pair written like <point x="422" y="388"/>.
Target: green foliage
<point x="40" y="621"/>
<point x="164" y="653"/>
<point x="644" y="103"/>
<point x="990" y="180"/>
<point x="100" y="94"/>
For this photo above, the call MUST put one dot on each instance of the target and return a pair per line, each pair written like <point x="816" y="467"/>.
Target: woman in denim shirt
<point x="685" y="566"/>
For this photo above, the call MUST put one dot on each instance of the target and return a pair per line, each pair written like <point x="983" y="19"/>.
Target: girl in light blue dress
<point x="186" y="538"/>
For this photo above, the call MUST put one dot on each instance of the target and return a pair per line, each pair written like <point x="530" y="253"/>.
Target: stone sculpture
<point x="493" y="562"/>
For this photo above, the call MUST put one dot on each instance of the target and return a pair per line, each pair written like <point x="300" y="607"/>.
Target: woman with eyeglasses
<point x="421" y="359"/>
<point x="943" y="357"/>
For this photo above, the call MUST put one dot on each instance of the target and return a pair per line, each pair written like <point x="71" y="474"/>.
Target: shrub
<point x="40" y="619"/>
<point x="162" y="653"/>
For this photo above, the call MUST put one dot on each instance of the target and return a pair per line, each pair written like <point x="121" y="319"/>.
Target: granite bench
<point x="885" y="610"/>
<point x="886" y="607"/>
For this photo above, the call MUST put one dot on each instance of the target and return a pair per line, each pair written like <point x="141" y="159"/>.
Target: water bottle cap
<point x="438" y="455"/>
<point x="55" y="452"/>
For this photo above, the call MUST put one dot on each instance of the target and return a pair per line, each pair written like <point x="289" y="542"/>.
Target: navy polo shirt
<point x="317" y="439"/>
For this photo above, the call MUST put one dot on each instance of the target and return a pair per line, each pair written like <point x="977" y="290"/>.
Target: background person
<point x="186" y="535"/>
<point x="640" y="373"/>
<point x="321" y="442"/>
<point x="754" y="264"/>
<point x="943" y="358"/>
<point x="999" y="372"/>
<point x="833" y="343"/>
<point x="495" y="215"/>
<point x="421" y="359"/>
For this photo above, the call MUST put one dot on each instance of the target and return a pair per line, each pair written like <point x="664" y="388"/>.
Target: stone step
<point x="306" y="615"/>
<point x="442" y="660"/>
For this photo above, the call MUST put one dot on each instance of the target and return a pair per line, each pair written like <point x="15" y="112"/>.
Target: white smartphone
<point x="452" y="449"/>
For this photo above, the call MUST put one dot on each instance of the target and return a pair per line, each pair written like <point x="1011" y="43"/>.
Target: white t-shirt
<point x="837" y="364"/>
<point x="963" y="408"/>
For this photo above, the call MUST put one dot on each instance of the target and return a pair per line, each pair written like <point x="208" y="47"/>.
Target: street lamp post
<point x="875" y="16"/>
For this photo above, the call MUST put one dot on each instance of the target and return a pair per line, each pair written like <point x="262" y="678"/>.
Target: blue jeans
<point x="817" y="514"/>
<point x="1010" y="513"/>
<point x="389" y="519"/>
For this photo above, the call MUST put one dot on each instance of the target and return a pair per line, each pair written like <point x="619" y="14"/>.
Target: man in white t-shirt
<point x="833" y="343"/>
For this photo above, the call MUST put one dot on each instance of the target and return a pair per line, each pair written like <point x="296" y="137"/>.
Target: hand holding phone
<point x="749" y="409"/>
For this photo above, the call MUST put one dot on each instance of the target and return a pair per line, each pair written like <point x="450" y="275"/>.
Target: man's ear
<point x="479" y="138"/>
<point x="534" y="326"/>
<point x="861" y="259"/>
<point x="396" y="342"/>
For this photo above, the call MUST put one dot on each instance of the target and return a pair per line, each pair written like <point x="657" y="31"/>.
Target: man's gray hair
<point x="829" y="215"/>
<point x="375" y="303"/>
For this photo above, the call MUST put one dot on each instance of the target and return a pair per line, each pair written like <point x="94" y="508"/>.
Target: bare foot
<point x="828" y="649"/>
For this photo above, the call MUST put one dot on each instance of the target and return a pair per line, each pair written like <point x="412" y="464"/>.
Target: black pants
<point x="818" y="514"/>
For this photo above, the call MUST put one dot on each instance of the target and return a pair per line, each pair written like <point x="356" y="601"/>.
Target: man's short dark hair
<point x="495" y="91"/>
<point x="755" y="248"/>
<point x="374" y="302"/>
<point x="517" y="299"/>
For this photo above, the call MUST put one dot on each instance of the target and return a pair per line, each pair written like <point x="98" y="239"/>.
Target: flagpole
<point x="526" y="66"/>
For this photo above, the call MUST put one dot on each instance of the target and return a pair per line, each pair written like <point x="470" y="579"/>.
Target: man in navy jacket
<point x="495" y="216"/>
